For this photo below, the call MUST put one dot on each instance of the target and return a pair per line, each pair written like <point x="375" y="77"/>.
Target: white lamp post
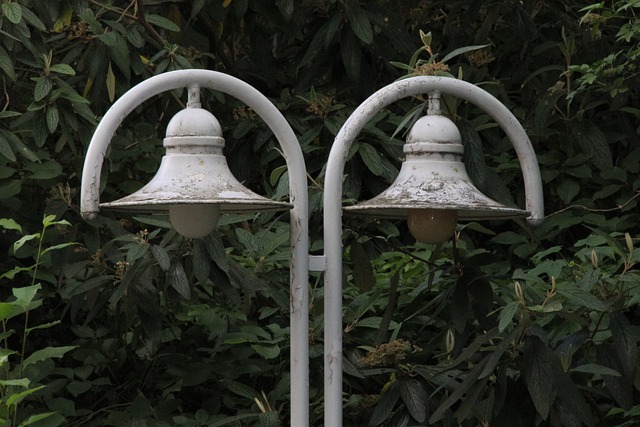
<point x="432" y="191"/>
<point x="194" y="185"/>
<point x="432" y="188"/>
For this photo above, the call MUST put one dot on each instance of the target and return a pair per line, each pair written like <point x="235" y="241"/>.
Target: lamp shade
<point x="195" y="171"/>
<point x="433" y="176"/>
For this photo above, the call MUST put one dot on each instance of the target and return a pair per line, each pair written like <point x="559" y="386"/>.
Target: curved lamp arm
<point x="299" y="270"/>
<point x="333" y="201"/>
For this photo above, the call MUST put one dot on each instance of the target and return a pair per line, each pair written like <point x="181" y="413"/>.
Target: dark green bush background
<point x="509" y="326"/>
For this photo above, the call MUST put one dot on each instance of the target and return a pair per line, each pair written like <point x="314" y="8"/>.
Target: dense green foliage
<point x="133" y="325"/>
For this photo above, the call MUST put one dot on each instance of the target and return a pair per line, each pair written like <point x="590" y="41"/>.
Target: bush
<point x="505" y="325"/>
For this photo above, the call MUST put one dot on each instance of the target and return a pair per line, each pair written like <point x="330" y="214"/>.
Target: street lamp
<point x="432" y="191"/>
<point x="194" y="185"/>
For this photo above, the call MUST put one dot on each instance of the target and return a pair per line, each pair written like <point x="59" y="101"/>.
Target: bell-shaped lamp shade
<point x="193" y="183"/>
<point x="433" y="190"/>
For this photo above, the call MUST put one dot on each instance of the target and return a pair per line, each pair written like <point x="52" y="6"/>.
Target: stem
<point x="38" y="255"/>
<point x="391" y="306"/>
<point x="143" y="21"/>
<point x="25" y="333"/>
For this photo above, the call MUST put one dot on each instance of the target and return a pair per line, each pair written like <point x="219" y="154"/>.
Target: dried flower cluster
<point x="431" y="69"/>
<point x="388" y="354"/>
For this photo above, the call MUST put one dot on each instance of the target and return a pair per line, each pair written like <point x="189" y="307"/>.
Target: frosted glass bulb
<point x="194" y="220"/>
<point x="432" y="225"/>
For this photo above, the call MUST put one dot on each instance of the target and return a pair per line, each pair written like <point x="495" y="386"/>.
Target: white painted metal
<point x="333" y="201"/>
<point x="299" y="268"/>
<point x="194" y="170"/>
<point x="433" y="176"/>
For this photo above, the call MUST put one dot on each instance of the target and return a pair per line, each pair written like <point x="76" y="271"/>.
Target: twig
<point x="143" y="21"/>
<point x="586" y="208"/>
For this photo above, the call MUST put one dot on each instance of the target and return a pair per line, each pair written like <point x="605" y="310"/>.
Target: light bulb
<point x="194" y="220"/>
<point x="432" y="225"/>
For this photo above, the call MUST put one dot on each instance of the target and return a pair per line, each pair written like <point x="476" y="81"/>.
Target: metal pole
<point x="333" y="203"/>
<point x="299" y="268"/>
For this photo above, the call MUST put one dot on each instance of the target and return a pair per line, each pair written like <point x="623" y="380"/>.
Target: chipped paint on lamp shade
<point x="195" y="171"/>
<point x="433" y="176"/>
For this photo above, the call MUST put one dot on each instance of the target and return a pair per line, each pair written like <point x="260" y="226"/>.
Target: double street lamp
<point x="194" y="185"/>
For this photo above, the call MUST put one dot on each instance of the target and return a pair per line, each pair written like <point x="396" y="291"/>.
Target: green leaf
<point x="426" y="38"/>
<point x="351" y="53"/>
<point x="35" y="418"/>
<point x="58" y="246"/>
<point x="47" y="353"/>
<point x="162" y="22"/>
<point x="372" y="159"/>
<point x="44" y="326"/>
<point x="537" y="368"/>
<point x="10" y="224"/>
<point x="568" y="189"/>
<point x="620" y="387"/>
<point x="119" y="52"/>
<point x="10" y="188"/>
<point x="387" y="402"/>
<point x="6" y="64"/>
<point x="4" y="353"/>
<point x="498" y="351"/>
<point x="161" y="221"/>
<point x="201" y="261"/>
<point x="550" y="307"/>
<point x="32" y="19"/>
<point x="50" y="220"/>
<point x="111" y="83"/>
<point x="216" y="251"/>
<point x="162" y="257"/>
<point x="24" y="239"/>
<point x="21" y="382"/>
<point x="12" y="273"/>
<point x="415" y="399"/>
<point x="73" y="97"/>
<point x="625" y="343"/>
<point x="26" y="294"/>
<point x="593" y="141"/>
<point x="460" y="390"/>
<point x="506" y="315"/>
<point x="12" y="11"/>
<point x="18" y="145"/>
<point x="45" y="170"/>
<point x="268" y="351"/>
<point x="178" y="279"/>
<point x="5" y="150"/>
<point x="43" y="88"/>
<point x="53" y="118"/>
<point x="461" y="50"/>
<point x="594" y="368"/>
<point x="509" y="238"/>
<point x="87" y="16"/>
<point x="76" y="388"/>
<point x="269" y="242"/>
<point x="473" y="154"/>
<point x="16" y="398"/>
<point x="363" y="276"/>
<point x="580" y="297"/>
<point x="136" y="250"/>
<point x="359" y="22"/>
<point x="65" y="69"/>
<point x="134" y="37"/>
<point x="240" y="389"/>
<point x="247" y="240"/>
